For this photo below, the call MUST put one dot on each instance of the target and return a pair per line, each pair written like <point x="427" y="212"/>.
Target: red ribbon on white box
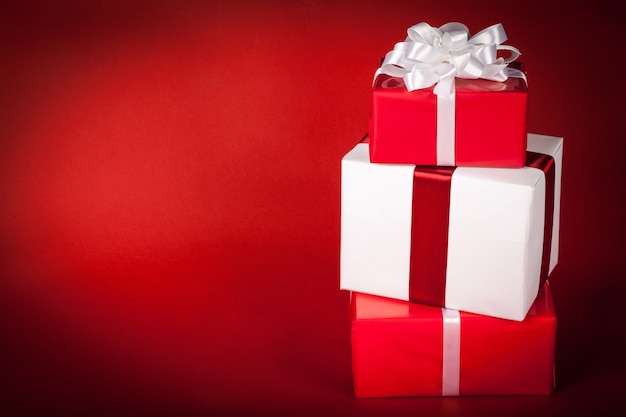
<point x="430" y="223"/>
<point x="436" y="56"/>
<point x="546" y="164"/>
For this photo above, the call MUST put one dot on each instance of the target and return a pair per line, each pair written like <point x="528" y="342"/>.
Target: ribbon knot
<point x="436" y="56"/>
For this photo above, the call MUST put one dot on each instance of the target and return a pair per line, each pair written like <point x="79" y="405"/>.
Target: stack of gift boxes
<point x="450" y="224"/>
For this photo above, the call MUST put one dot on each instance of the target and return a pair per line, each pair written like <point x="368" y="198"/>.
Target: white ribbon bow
<point x="432" y="56"/>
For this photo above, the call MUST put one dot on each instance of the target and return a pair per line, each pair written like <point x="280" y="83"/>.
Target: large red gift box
<point x="490" y="123"/>
<point x="402" y="349"/>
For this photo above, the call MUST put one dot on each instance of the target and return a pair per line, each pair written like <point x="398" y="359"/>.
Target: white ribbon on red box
<point x="451" y="371"/>
<point x="437" y="56"/>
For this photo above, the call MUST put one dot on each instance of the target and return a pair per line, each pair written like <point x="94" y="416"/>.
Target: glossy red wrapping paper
<point x="490" y="123"/>
<point x="397" y="350"/>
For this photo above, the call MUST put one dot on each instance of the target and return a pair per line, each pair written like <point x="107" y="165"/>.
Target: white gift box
<point x="495" y="231"/>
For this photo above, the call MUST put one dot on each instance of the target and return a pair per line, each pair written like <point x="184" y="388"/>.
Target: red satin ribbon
<point x="429" y="228"/>
<point x="546" y="164"/>
<point x="429" y="234"/>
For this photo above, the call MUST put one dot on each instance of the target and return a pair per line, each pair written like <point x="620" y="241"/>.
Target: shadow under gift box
<point x="490" y="123"/>
<point x="399" y="349"/>
<point x="480" y="240"/>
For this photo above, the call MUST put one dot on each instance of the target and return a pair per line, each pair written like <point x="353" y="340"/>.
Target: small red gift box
<point x="402" y="349"/>
<point x="490" y="123"/>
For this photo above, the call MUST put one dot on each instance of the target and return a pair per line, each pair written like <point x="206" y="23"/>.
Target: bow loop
<point x="436" y="56"/>
<point x="420" y="52"/>
<point x="486" y="54"/>
<point x="493" y="35"/>
<point x="424" y="33"/>
<point x="455" y="41"/>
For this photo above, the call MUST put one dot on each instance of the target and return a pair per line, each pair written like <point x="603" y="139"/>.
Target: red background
<point x="169" y="184"/>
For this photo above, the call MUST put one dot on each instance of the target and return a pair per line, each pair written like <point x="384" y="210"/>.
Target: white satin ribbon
<point x="437" y="56"/>
<point x="446" y="117"/>
<point x="430" y="56"/>
<point x="451" y="371"/>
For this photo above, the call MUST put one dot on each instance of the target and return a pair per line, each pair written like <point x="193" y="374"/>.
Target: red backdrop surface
<point x="169" y="193"/>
